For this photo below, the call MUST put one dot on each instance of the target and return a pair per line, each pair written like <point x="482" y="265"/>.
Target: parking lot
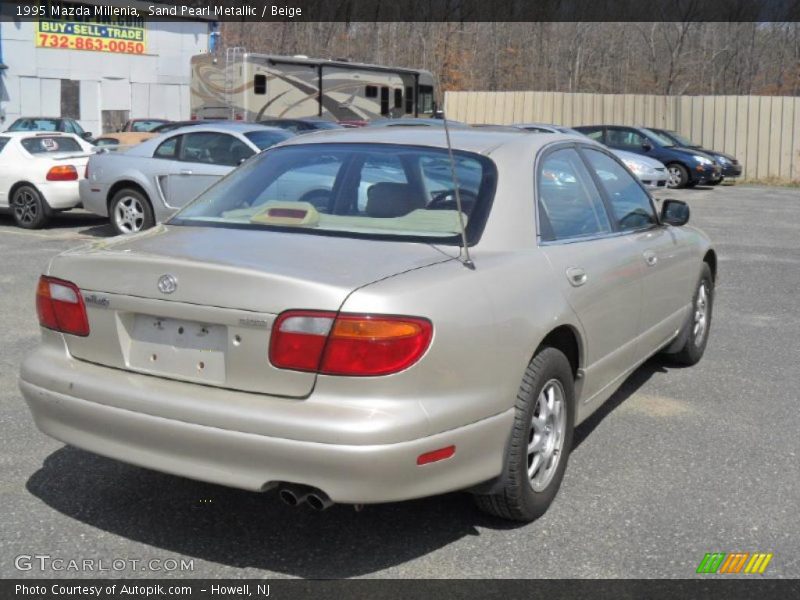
<point x="678" y="463"/>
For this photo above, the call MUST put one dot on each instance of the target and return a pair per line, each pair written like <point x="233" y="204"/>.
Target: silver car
<point x="354" y="350"/>
<point x="149" y="182"/>
<point x="651" y="172"/>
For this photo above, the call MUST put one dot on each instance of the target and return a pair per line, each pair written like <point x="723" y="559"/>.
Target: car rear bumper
<point x="93" y="197"/>
<point x="60" y="195"/>
<point x="348" y="471"/>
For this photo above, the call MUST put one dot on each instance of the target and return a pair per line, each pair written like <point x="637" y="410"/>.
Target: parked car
<point x="39" y="174"/>
<point x="143" y="125"/>
<point x="729" y="164"/>
<point x="173" y="125"/>
<point x="652" y="173"/>
<point x="262" y="344"/>
<point x="124" y="139"/>
<point x="301" y="125"/>
<point x="416" y="122"/>
<point x="147" y="183"/>
<point x="50" y="124"/>
<point x="685" y="167"/>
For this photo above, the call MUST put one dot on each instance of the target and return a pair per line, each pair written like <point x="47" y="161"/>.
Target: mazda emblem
<point x="167" y="284"/>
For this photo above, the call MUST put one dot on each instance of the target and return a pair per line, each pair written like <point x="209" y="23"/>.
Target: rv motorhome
<point x="245" y="86"/>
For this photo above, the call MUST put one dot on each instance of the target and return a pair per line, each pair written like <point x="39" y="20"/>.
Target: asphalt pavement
<point x="680" y="461"/>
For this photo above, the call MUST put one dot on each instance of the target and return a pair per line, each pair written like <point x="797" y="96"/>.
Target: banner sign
<point x="72" y="26"/>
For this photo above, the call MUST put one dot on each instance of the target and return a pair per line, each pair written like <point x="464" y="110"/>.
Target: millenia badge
<point x="734" y="562"/>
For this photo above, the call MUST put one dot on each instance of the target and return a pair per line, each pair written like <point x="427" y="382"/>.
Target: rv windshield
<point x="381" y="191"/>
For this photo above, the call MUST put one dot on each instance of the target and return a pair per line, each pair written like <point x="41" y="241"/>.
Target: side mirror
<point x="647" y="146"/>
<point x="87" y="135"/>
<point x="674" y="212"/>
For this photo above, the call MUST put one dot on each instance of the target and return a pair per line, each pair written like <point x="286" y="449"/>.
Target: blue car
<point x="687" y="167"/>
<point x="731" y="168"/>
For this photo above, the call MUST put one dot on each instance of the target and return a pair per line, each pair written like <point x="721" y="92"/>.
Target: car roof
<point x="225" y="126"/>
<point x="481" y="141"/>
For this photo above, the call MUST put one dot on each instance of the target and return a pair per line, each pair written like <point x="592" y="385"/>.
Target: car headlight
<point x="703" y="160"/>
<point x="722" y="160"/>
<point x="637" y="168"/>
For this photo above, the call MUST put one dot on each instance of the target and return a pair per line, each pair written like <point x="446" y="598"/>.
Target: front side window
<point x="208" y="147"/>
<point x="380" y="191"/>
<point x="570" y="205"/>
<point x="626" y="138"/>
<point x="630" y="205"/>
<point x="3" y="142"/>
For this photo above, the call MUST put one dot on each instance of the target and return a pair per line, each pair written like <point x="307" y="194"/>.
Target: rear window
<point x="34" y="125"/>
<point x="47" y="143"/>
<point x="377" y="191"/>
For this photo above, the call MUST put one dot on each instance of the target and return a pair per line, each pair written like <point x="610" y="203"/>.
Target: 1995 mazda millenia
<point x="340" y="348"/>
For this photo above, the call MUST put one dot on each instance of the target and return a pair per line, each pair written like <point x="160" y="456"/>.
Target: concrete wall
<point x="155" y="84"/>
<point x="763" y="132"/>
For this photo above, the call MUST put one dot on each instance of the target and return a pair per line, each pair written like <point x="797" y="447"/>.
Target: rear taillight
<point x="347" y="344"/>
<point x="86" y="171"/>
<point x="62" y="173"/>
<point x="60" y="306"/>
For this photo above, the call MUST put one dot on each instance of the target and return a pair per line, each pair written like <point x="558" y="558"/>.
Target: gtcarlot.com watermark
<point x="60" y="564"/>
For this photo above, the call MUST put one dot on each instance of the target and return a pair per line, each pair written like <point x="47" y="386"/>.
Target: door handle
<point x="650" y="258"/>
<point x="186" y="171"/>
<point x="577" y="276"/>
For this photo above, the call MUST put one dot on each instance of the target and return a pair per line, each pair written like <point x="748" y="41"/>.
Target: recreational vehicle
<point x="247" y="86"/>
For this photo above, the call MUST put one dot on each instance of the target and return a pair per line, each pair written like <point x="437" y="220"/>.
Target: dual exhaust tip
<point x="295" y="495"/>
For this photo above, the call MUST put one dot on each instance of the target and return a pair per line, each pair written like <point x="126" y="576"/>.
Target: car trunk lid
<point x="197" y="304"/>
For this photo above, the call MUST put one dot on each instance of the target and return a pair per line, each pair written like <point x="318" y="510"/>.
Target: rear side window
<point x="167" y="149"/>
<point x="55" y="143"/>
<point x="570" y="205"/>
<point x="630" y="204"/>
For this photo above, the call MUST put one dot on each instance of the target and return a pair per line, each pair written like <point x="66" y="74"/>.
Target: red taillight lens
<point x="355" y="345"/>
<point x="86" y="171"/>
<point x="60" y="306"/>
<point x="62" y="173"/>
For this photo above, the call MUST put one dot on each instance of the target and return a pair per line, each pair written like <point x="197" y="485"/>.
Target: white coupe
<point x="39" y="174"/>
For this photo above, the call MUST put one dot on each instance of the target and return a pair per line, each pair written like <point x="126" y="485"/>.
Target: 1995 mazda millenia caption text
<point x="389" y="367"/>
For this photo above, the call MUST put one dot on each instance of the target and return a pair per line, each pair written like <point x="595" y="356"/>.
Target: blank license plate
<point x="177" y="348"/>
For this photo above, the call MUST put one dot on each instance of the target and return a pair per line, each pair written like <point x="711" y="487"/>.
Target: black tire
<point x="30" y="210"/>
<point x="517" y="500"/>
<point x="691" y="349"/>
<point x="130" y="212"/>
<point x="679" y="176"/>
<point x="716" y="181"/>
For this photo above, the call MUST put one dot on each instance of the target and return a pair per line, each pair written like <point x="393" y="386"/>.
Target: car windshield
<point x="381" y="191"/>
<point x="50" y="143"/>
<point x="661" y="139"/>
<point x="681" y="140"/>
<point x="145" y="126"/>
<point x="265" y="139"/>
<point x="34" y="125"/>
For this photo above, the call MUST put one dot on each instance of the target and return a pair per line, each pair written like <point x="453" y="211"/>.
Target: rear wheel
<point x="540" y="440"/>
<point x="130" y="212"/>
<point x="29" y="208"/>
<point x="678" y="176"/>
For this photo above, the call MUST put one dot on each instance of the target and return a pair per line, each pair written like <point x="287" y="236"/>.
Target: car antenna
<point x="467" y="261"/>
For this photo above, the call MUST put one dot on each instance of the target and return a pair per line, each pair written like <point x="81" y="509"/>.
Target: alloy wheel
<point x="701" y="315"/>
<point x="129" y="215"/>
<point x="546" y="435"/>
<point x="675" y="177"/>
<point x="26" y="208"/>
